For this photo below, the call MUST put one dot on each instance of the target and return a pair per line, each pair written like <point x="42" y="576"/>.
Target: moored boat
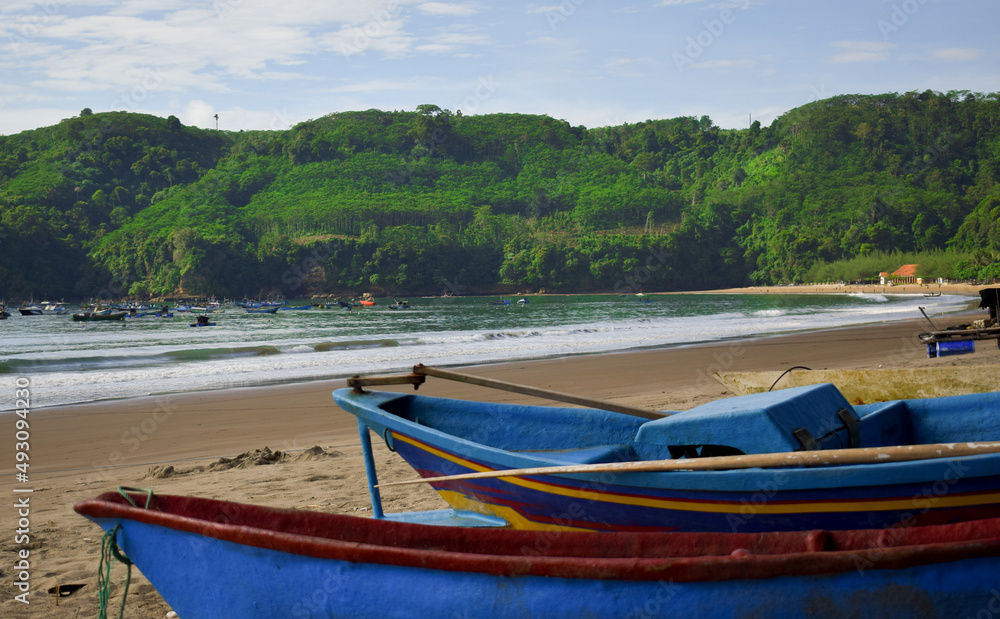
<point x="45" y="308"/>
<point x="98" y="316"/>
<point x="268" y="562"/>
<point x="263" y="310"/>
<point x="690" y="471"/>
<point x="54" y="309"/>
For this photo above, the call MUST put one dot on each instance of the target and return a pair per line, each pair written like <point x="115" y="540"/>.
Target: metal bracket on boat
<point x="853" y="430"/>
<point x="805" y="439"/>
<point x="357" y="382"/>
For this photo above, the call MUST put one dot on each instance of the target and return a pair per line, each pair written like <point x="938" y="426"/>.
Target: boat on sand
<point x="793" y="459"/>
<point x="210" y="558"/>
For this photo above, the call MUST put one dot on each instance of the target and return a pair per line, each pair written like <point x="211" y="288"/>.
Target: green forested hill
<point x="429" y="201"/>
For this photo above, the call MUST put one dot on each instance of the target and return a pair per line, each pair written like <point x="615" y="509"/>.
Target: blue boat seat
<point x="886" y="424"/>
<point x="588" y="455"/>
<point x="800" y="418"/>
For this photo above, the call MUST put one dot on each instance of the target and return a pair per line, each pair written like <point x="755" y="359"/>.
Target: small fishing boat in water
<point x="210" y="558"/>
<point x="45" y="308"/>
<point x="98" y="316"/>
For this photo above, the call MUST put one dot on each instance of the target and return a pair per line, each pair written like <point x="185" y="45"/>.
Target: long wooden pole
<point x="829" y="457"/>
<point x="558" y="396"/>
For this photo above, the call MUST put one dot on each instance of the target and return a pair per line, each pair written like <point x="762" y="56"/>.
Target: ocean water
<point x="73" y="362"/>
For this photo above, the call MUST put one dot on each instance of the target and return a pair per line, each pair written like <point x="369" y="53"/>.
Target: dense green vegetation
<point x="430" y="202"/>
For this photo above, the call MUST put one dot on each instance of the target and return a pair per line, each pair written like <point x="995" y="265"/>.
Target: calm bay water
<point x="72" y="362"/>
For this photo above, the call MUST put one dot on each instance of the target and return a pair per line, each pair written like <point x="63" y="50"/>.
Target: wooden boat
<point x="264" y="310"/>
<point x="287" y="308"/>
<point x="960" y="339"/>
<point x="399" y="305"/>
<point x="96" y="316"/>
<point x="872" y="385"/>
<point x="202" y="321"/>
<point x="500" y="302"/>
<point x="46" y="308"/>
<point x="793" y="459"/>
<point x="211" y="558"/>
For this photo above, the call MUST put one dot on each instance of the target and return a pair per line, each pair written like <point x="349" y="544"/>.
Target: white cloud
<point x="674" y="2"/>
<point x="383" y="85"/>
<point x="446" y="8"/>
<point x="199" y="114"/>
<point x="622" y="67"/>
<point x="862" y="51"/>
<point x="389" y="38"/>
<point x="957" y="54"/>
<point x="743" y="63"/>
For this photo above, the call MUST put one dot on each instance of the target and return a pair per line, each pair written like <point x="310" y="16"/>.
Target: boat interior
<point x="796" y="419"/>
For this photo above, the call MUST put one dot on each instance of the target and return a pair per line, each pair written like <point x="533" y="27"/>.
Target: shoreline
<point x="895" y="345"/>
<point x="184" y="443"/>
<point x="956" y="289"/>
<point x="911" y="289"/>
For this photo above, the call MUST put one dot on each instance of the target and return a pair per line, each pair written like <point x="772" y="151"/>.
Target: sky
<point x="270" y="64"/>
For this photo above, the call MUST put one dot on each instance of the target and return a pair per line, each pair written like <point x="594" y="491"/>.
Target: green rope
<point x="110" y="552"/>
<point x="124" y="491"/>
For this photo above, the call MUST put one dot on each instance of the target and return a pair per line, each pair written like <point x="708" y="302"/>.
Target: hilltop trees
<point x="426" y="200"/>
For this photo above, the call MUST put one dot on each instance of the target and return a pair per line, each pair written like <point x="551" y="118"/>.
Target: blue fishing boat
<point x="287" y="308"/>
<point x="794" y="459"/>
<point x="211" y="558"/>
<point x="158" y="314"/>
<point x="263" y="310"/>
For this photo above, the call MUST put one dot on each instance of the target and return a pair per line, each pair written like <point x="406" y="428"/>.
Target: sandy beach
<point x="186" y="443"/>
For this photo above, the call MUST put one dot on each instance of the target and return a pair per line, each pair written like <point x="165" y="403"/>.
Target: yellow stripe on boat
<point x="918" y="502"/>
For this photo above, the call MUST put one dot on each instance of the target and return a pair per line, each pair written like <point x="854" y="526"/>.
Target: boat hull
<point x="261" y="562"/>
<point x="99" y="317"/>
<point x="784" y="499"/>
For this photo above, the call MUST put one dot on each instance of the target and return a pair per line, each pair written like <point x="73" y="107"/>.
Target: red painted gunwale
<point x="680" y="557"/>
